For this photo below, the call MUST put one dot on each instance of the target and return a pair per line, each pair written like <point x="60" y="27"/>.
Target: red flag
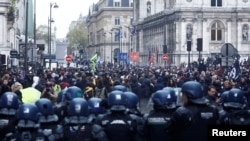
<point x="134" y="56"/>
<point x="150" y="61"/>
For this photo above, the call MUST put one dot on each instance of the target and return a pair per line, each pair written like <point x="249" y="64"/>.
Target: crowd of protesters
<point x="146" y="82"/>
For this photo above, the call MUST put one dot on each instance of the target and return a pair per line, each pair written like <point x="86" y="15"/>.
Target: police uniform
<point x="190" y="121"/>
<point x="234" y="111"/>
<point x="116" y="125"/>
<point x="164" y="103"/>
<point x="76" y="125"/>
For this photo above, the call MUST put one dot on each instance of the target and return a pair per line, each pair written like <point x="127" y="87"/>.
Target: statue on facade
<point x="245" y="33"/>
<point x="189" y="32"/>
<point x="148" y="8"/>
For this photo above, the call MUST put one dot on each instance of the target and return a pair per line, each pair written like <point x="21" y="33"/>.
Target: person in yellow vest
<point x="56" y="86"/>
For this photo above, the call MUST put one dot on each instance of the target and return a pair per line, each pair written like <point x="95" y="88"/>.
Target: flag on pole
<point x="93" y="60"/>
<point x="236" y="70"/>
<point x="150" y="57"/>
<point x="156" y="53"/>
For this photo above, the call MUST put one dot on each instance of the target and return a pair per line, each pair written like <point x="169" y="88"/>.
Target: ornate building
<point x="107" y="21"/>
<point x="12" y="27"/>
<point x="166" y="26"/>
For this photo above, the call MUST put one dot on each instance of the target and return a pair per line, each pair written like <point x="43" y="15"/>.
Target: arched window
<point x="217" y="31"/>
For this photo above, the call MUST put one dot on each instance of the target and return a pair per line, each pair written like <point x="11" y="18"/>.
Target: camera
<point x="48" y="89"/>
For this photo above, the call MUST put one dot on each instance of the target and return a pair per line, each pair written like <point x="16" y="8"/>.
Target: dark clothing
<point x="234" y="117"/>
<point x="81" y="84"/>
<point x="159" y="84"/>
<point x="155" y="125"/>
<point x="190" y="122"/>
<point x="78" y="132"/>
<point x="118" y="127"/>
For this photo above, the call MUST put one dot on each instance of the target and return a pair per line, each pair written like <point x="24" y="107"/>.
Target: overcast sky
<point x="68" y="10"/>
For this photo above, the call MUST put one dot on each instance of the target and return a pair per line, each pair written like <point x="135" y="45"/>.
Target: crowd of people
<point x="129" y="103"/>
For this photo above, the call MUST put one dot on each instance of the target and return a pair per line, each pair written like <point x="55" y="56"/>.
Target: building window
<point x="131" y="20"/>
<point x="117" y="35"/>
<point x="131" y="4"/>
<point x="217" y="31"/>
<point x="117" y="4"/>
<point x="216" y="3"/>
<point x="117" y="20"/>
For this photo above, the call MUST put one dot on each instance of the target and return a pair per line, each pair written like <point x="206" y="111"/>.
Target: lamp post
<point x="52" y="5"/>
<point x="111" y="37"/>
<point x="26" y="39"/>
<point x="119" y="30"/>
<point x="35" y="35"/>
<point x="119" y="59"/>
<point x="104" y="48"/>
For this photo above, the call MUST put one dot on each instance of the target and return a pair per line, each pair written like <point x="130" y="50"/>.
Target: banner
<point x="134" y="56"/>
<point x="123" y="56"/>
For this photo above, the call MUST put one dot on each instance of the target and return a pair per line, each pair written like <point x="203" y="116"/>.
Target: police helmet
<point x="234" y="99"/>
<point x="73" y="92"/>
<point x="45" y="106"/>
<point x="95" y="106"/>
<point x="61" y="96"/>
<point x="9" y="100"/>
<point x="119" y="88"/>
<point x="132" y="99"/>
<point x="27" y="112"/>
<point x="167" y="88"/>
<point x="223" y="97"/>
<point x="78" y="107"/>
<point x="193" y="90"/>
<point x="117" y="101"/>
<point x="165" y="98"/>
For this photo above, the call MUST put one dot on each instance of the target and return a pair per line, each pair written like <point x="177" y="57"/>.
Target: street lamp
<point x="119" y="30"/>
<point x="26" y="39"/>
<point x="111" y="32"/>
<point x="119" y="59"/>
<point x="104" y="49"/>
<point x="52" y="5"/>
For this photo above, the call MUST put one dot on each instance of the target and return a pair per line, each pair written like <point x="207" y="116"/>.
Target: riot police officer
<point x="190" y="121"/>
<point x="95" y="109"/>
<point x="164" y="104"/>
<point x="49" y="129"/>
<point x="116" y="125"/>
<point x="9" y="104"/>
<point x="65" y="97"/>
<point x="76" y="124"/>
<point x="234" y="109"/>
<point x="27" y="124"/>
<point x="132" y="104"/>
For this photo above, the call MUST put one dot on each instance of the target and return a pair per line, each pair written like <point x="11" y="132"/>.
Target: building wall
<point x="102" y="29"/>
<point x="170" y="26"/>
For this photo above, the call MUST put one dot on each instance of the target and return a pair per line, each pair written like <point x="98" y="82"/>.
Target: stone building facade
<point x="165" y="26"/>
<point x="107" y="21"/>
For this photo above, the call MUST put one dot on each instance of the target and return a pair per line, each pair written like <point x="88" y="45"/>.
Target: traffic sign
<point x="13" y="54"/>
<point x="228" y="50"/>
<point x="165" y="57"/>
<point x="38" y="56"/>
<point x="68" y="58"/>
